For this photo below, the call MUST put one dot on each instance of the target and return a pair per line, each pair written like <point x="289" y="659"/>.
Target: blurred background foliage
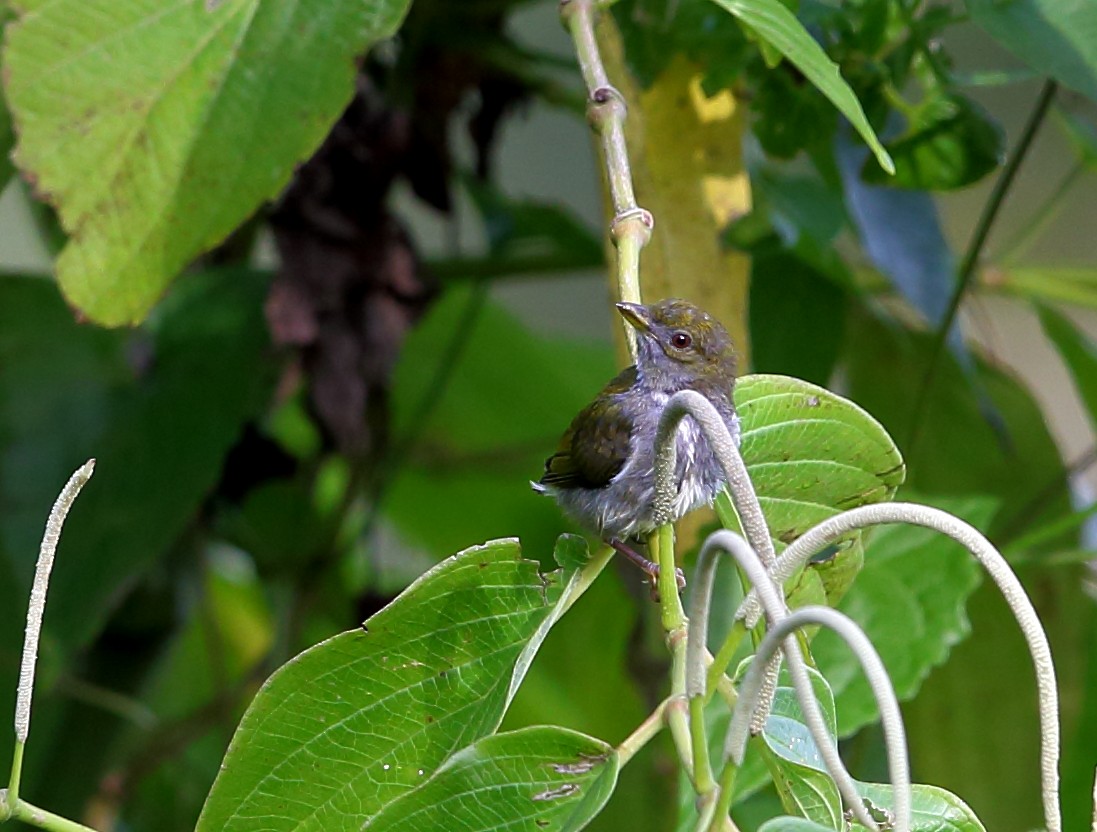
<point x="361" y="379"/>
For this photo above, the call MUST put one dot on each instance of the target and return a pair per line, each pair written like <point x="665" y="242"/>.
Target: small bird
<point x="602" y="474"/>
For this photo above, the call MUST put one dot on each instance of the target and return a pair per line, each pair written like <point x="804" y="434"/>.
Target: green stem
<point x="727" y="791"/>
<point x="974" y="252"/>
<point x="702" y="765"/>
<point x="677" y="719"/>
<point x="661" y="543"/>
<point x="16" y="773"/>
<point x="643" y="734"/>
<point x="630" y="229"/>
<point x="42" y="819"/>
<point x="724" y="656"/>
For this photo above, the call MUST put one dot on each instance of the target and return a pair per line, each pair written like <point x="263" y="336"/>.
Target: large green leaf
<point x="811" y="454"/>
<point x="931" y="809"/>
<point x="540" y="779"/>
<point x="590" y="685"/>
<point x="348" y="727"/>
<point x="1056" y="37"/>
<point x="155" y="129"/>
<point x="776" y="25"/>
<point x="909" y="598"/>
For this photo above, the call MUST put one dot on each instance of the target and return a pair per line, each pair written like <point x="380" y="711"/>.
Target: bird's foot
<point x="650" y="568"/>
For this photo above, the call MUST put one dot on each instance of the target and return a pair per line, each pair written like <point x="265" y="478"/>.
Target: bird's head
<point x="680" y="345"/>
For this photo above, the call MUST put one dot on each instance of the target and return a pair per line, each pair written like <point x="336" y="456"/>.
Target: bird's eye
<point x="681" y="340"/>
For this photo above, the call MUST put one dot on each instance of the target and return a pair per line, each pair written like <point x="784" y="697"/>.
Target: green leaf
<point x="793" y="757"/>
<point x="7" y="137"/>
<point x="792" y="824"/>
<point x="797" y="758"/>
<point x="343" y="730"/>
<point x="960" y="453"/>
<point x="811" y="454"/>
<point x="158" y="408"/>
<point x="585" y="679"/>
<point x="1077" y="351"/>
<point x="538" y="779"/>
<point x="155" y="130"/>
<point x="909" y="598"/>
<point x="654" y="31"/>
<point x="774" y="23"/>
<point x="1055" y="37"/>
<point x="932" y="809"/>
<point x="800" y="339"/>
<point x="950" y="144"/>
<point x="1048" y="284"/>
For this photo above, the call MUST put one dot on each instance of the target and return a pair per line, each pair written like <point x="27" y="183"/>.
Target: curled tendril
<point x="834" y="528"/>
<point x="854" y="636"/>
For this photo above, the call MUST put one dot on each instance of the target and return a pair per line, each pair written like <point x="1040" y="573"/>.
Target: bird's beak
<point x="637" y="315"/>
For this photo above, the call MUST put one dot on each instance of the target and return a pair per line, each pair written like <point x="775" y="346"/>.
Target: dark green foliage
<point x="231" y="525"/>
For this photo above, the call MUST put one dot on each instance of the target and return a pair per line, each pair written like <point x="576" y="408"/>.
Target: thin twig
<point x="631" y="227"/>
<point x="875" y="673"/>
<point x="974" y="252"/>
<point x="837" y="527"/>
<point x="643" y="734"/>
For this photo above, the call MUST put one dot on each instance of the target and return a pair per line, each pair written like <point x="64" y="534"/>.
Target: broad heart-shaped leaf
<point x="909" y="598"/>
<point x="932" y="809"/>
<point x="347" y="727"/>
<point x="155" y="128"/>
<point x="776" y="25"/>
<point x="539" y="779"/>
<point x="1056" y="37"/>
<point x="811" y="454"/>
<point x="793" y="757"/>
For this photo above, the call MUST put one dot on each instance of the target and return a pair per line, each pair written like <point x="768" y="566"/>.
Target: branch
<point x="631" y="226"/>
<point x="894" y="735"/>
<point x="834" y="528"/>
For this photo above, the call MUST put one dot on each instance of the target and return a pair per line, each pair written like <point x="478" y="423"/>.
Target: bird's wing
<point x="595" y="447"/>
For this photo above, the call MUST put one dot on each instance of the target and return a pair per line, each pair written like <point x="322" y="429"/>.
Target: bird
<point x="602" y="473"/>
